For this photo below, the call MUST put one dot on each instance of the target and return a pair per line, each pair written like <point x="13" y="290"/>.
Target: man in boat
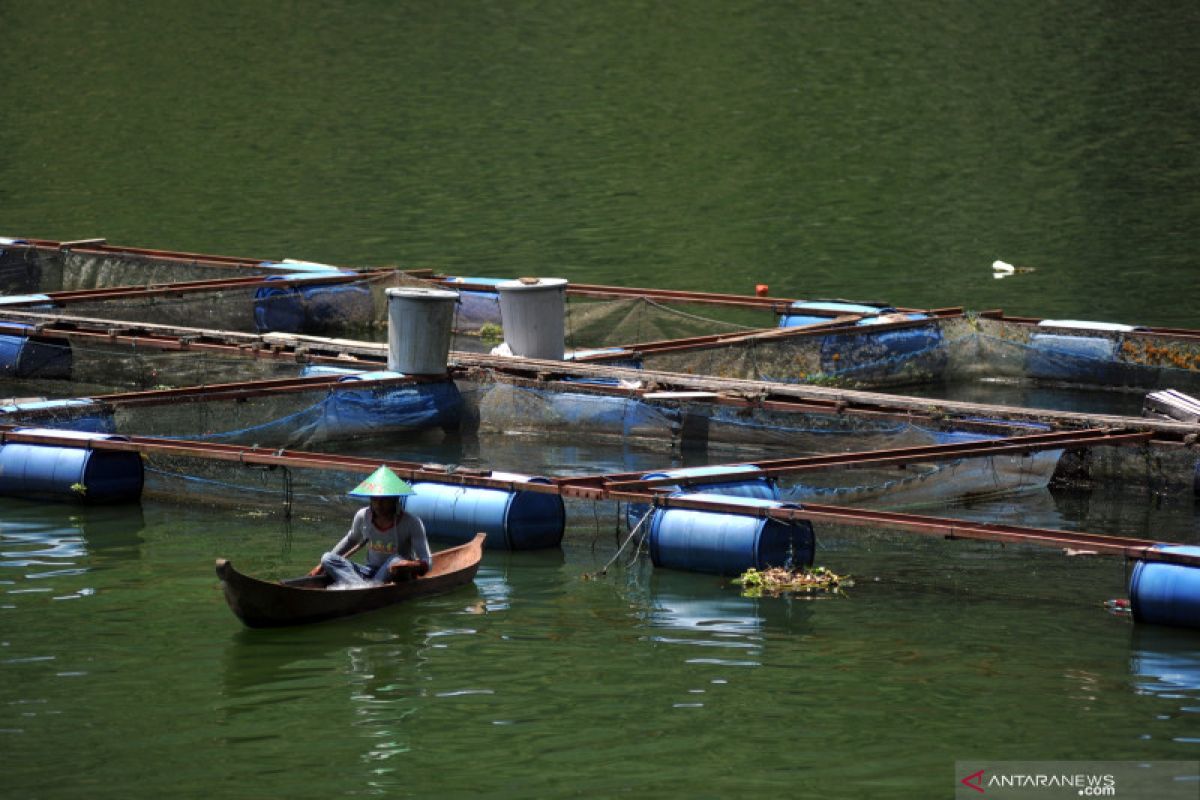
<point x="397" y="548"/>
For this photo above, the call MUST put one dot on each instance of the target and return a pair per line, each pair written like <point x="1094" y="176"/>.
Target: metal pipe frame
<point x="949" y="528"/>
<point x="841" y="324"/>
<point x="1058" y="440"/>
<point x="750" y="393"/>
<point x="100" y="246"/>
<point x="193" y="287"/>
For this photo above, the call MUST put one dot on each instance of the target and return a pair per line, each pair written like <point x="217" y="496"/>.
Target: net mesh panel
<point x="923" y="484"/>
<point x="292" y="419"/>
<point x="357" y="307"/>
<point x="302" y="492"/>
<point x="22" y="271"/>
<point x="608" y="323"/>
<point x="133" y="368"/>
<point x="103" y="270"/>
<point x="97" y="369"/>
<point x="951" y="350"/>
<point x="505" y="408"/>
<point x="501" y="407"/>
<point x="27" y="270"/>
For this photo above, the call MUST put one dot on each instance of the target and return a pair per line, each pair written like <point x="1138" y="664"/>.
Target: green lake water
<point x="868" y="151"/>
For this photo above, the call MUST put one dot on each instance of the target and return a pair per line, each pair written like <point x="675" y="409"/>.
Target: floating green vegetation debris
<point x="777" y="580"/>
<point x="491" y="334"/>
<point x="79" y="489"/>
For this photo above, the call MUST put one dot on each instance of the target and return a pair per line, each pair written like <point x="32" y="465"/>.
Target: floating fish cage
<point x="874" y="345"/>
<point x="829" y="343"/>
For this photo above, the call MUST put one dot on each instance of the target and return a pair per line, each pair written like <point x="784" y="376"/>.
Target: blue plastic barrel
<point x="311" y="308"/>
<point x="70" y="472"/>
<point x="728" y="544"/>
<point x="513" y="520"/>
<point x="29" y="302"/>
<point x="1166" y="594"/>
<point x="323" y="371"/>
<point x="1075" y="359"/>
<point x="299" y="266"/>
<point x="34" y="356"/>
<point x="892" y="317"/>
<point x="373" y="375"/>
<point x="758" y="487"/>
<point x="796" y="314"/>
<point x="884" y="355"/>
<point x="378" y="410"/>
<point x="477" y="307"/>
<point x="609" y="357"/>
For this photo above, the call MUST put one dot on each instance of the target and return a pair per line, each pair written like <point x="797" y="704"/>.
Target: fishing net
<point x="858" y="357"/>
<point x="951" y="350"/>
<point x="609" y="323"/>
<point x="269" y="418"/>
<point x="20" y="270"/>
<point x="358" y="307"/>
<point x="922" y="485"/>
<point x="311" y="308"/>
<point x="87" y="366"/>
<point x="304" y="493"/>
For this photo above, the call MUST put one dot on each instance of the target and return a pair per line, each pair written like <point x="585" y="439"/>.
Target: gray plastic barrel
<point x="419" y="330"/>
<point x="532" y="313"/>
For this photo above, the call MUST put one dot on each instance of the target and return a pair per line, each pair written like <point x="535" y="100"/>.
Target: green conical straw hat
<point x="382" y="483"/>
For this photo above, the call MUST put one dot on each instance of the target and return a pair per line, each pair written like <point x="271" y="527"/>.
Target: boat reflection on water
<point x="266" y="662"/>
<point x="373" y="644"/>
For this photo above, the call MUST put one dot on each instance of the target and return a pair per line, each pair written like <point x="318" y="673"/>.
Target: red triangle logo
<point x="974" y="781"/>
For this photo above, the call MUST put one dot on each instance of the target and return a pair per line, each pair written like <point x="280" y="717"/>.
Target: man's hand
<point x="315" y="571"/>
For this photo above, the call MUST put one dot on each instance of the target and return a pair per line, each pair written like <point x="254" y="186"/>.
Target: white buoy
<point x="419" y="330"/>
<point x="532" y="312"/>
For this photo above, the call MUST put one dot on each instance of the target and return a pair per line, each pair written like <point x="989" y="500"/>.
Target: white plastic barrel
<point x="419" y="329"/>
<point x="532" y="311"/>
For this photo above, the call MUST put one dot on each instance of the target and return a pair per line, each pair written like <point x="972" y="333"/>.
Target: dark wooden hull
<point x="265" y="604"/>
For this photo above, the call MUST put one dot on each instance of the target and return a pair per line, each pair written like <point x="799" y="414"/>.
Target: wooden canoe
<point x="266" y="604"/>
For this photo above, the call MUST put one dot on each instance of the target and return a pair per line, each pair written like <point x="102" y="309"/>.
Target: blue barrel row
<point x="524" y="519"/>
